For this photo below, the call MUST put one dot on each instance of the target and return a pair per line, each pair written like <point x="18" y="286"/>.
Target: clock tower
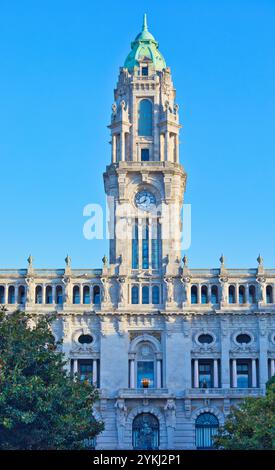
<point x="145" y="181"/>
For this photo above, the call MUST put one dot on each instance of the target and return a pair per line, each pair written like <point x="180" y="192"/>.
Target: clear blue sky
<point x="59" y="66"/>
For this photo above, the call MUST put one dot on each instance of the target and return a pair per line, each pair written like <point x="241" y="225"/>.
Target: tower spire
<point x="144" y="26"/>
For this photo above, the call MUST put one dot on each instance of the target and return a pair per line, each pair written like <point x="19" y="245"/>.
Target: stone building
<point x="170" y="348"/>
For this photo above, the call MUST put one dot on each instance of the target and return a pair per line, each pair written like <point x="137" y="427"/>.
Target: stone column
<point x="16" y="294"/>
<point x="166" y="146"/>
<point x="6" y="294"/>
<point x="234" y="373"/>
<point x="247" y="293"/>
<point x="158" y="373"/>
<point x="113" y="148"/>
<point x="216" y="374"/>
<point x="272" y="367"/>
<point x="75" y="366"/>
<point x="199" y="293"/>
<point x="122" y="146"/>
<point x="209" y="293"/>
<point x="43" y="301"/>
<point x="95" y="372"/>
<point x="81" y="294"/>
<point x="254" y="374"/>
<point x="54" y="293"/>
<point x="237" y="293"/>
<point x="132" y="373"/>
<point x="196" y="373"/>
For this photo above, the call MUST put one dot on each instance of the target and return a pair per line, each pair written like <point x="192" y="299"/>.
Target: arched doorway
<point x="206" y="428"/>
<point x="146" y="432"/>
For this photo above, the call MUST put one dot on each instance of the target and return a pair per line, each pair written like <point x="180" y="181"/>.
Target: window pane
<point x="145" y="118"/>
<point x="155" y="295"/>
<point x="135" y="295"/>
<point x="145" y="370"/>
<point x="145" y="295"/>
<point x="145" y="246"/>
<point x="145" y="155"/>
<point x="135" y="246"/>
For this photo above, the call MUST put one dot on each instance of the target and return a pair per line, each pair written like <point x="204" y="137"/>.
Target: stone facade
<point x="156" y="337"/>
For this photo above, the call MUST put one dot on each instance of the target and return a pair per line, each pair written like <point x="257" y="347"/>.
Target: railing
<point x="223" y="392"/>
<point x="143" y="392"/>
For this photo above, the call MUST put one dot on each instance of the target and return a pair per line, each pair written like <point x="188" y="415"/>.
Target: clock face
<point x="145" y="200"/>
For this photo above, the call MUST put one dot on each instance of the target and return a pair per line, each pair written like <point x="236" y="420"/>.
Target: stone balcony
<point x="144" y="393"/>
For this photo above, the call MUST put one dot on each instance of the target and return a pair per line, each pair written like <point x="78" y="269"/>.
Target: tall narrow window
<point x="76" y="295"/>
<point x="232" y="296"/>
<point x="252" y="295"/>
<point x="38" y="295"/>
<point x="86" y="294"/>
<point x="21" y="295"/>
<point x="204" y="296"/>
<point x="241" y="295"/>
<point x="145" y="245"/>
<point x="156" y="241"/>
<point x="145" y="155"/>
<point x="96" y="295"/>
<point x="49" y="295"/>
<point x="59" y="295"/>
<point x="135" y="245"/>
<point x="155" y="295"/>
<point x="145" y="118"/>
<point x="2" y="294"/>
<point x="214" y="295"/>
<point x="144" y="70"/>
<point x="11" y="295"/>
<point x="145" y="295"/>
<point x="243" y="374"/>
<point x="194" y="295"/>
<point x="135" y="296"/>
<point x="85" y="370"/>
<point x="268" y="294"/>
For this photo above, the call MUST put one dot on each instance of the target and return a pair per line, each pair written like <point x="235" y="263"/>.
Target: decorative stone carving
<point x="121" y="415"/>
<point x="122" y="290"/>
<point x="30" y="290"/>
<point x="169" y="290"/>
<point x="105" y="290"/>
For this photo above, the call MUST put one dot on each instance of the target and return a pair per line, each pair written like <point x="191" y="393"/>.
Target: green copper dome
<point x="144" y="47"/>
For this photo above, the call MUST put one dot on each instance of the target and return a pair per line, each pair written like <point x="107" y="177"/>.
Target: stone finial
<point x="222" y="260"/>
<point x="30" y="261"/>
<point x="260" y="260"/>
<point x="68" y="261"/>
<point x="105" y="260"/>
<point x="144" y="24"/>
<point x="185" y="261"/>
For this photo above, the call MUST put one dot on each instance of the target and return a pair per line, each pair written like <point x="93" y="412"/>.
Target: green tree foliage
<point x="251" y="426"/>
<point x="41" y="406"/>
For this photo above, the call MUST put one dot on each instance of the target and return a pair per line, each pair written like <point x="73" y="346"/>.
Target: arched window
<point x="96" y="295"/>
<point x="269" y="295"/>
<point x="146" y="365"/>
<point x="204" y="295"/>
<point x="86" y="295"/>
<point x="145" y="118"/>
<point x="76" y="295"/>
<point x="49" y="295"/>
<point x="206" y="428"/>
<point x="241" y="295"/>
<point x="252" y="294"/>
<point x="194" y="295"/>
<point x="11" y="295"/>
<point x="232" y="296"/>
<point x="135" y="295"/>
<point x="145" y="295"/>
<point x="214" y="295"/>
<point x="59" y="295"/>
<point x="155" y="295"/>
<point x="21" y="295"/>
<point x="38" y="295"/>
<point x="145" y="432"/>
<point x="2" y="294"/>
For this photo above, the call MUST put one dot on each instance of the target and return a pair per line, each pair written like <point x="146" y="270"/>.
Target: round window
<point x="243" y="338"/>
<point x="205" y="338"/>
<point x="85" y="339"/>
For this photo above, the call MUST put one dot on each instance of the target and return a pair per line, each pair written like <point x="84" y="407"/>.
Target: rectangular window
<point x="145" y="245"/>
<point x="144" y="71"/>
<point x="155" y="244"/>
<point x="243" y="375"/>
<point x="135" y="260"/>
<point x="145" y="155"/>
<point x="145" y="373"/>
<point x="205" y="375"/>
<point x="85" y="370"/>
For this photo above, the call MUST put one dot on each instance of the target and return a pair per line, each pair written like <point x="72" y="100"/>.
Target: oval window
<point x="85" y="339"/>
<point x="243" y="338"/>
<point x="205" y="338"/>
